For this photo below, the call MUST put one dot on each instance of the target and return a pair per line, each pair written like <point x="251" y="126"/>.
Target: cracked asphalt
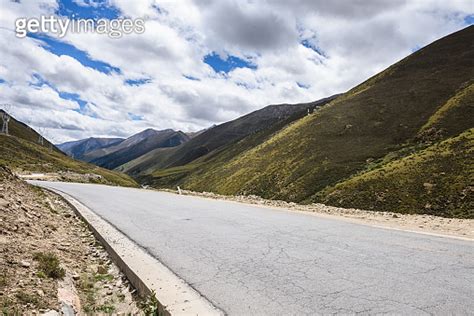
<point x="254" y="260"/>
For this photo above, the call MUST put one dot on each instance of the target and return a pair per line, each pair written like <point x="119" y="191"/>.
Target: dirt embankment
<point x="51" y="263"/>
<point x="463" y="228"/>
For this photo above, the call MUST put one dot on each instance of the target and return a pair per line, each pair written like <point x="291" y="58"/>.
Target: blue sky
<point x="227" y="63"/>
<point x="101" y="9"/>
<point x="59" y="48"/>
<point x="202" y="63"/>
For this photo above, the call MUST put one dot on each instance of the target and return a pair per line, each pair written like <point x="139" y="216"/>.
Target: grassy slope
<point x="383" y="115"/>
<point x="451" y="118"/>
<point x="21" y="151"/>
<point x="19" y="154"/>
<point x="436" y="180"/>
<point x="23" y="131"/>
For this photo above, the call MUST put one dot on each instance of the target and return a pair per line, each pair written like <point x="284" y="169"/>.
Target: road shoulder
<point x="144" y="271"/>
<point x="424" y="224"/>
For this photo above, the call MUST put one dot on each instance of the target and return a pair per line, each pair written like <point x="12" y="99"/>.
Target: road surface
<point x="254" y="260"/>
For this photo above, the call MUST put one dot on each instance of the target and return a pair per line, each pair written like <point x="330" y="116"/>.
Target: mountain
<point x="214" y="140"/>
<point x="401" y="141"/>
<point x="132" y="140"/>
<point x="78" y="149"/>
<point x="135" y="146"/>
<point x="25" y="150"/>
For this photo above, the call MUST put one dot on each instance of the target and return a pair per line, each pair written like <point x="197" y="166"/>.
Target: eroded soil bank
<point x="51" y="263"/>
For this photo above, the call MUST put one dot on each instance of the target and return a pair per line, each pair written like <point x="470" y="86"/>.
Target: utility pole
<point x="5" y="117"/>
<point x="40" y="136"/>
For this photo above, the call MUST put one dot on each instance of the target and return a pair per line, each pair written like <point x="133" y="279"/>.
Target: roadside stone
<point x="25" y="264"/>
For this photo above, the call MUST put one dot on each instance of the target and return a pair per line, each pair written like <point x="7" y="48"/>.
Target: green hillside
<point x="215" y="140"/>
<point x="437" y="180"/>
<point x="20" y="151"/>
<point x="452" y="117"/>
<point x="419" y="101"/>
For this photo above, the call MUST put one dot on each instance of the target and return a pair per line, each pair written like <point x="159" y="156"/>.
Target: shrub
<point x="49" y="265"/>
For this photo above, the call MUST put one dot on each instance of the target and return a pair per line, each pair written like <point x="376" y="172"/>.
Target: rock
<point x="51" y="312"/>
<point x="102" y="270"/>
<point x="75" y="276"/>
<point x="109" y="292"/>
<point x="40" y="292"/>
<point x="25" y="264"/>
<point x="67" y="309"/>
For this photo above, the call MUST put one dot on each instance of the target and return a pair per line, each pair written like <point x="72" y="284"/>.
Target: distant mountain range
<point x="113" y="152"/>
<point x="78" y="149"/>
<point x="401" y="141"/>
<point x="137" y="145"/>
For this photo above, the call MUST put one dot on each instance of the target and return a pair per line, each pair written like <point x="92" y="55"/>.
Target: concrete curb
<point x="145" y="272"/>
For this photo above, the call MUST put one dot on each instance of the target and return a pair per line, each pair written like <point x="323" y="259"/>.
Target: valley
<point x="394" y="143"/>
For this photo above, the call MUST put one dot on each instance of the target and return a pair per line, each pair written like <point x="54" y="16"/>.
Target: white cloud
<point x="354" y="40"/>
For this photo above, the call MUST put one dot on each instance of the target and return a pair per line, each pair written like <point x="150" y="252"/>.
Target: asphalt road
<point x="254" y="260"/>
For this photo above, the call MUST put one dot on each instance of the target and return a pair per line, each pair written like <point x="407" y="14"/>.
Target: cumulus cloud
<point x="301" y="51"/>
<point x="247" y="26"/>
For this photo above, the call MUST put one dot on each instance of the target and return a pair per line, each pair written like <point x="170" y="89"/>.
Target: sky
<point x="200" y="63"/>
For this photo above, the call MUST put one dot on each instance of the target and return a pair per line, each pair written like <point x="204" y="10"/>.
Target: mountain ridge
<point x="79" y="148"/>
<point x="137" y="145"/>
